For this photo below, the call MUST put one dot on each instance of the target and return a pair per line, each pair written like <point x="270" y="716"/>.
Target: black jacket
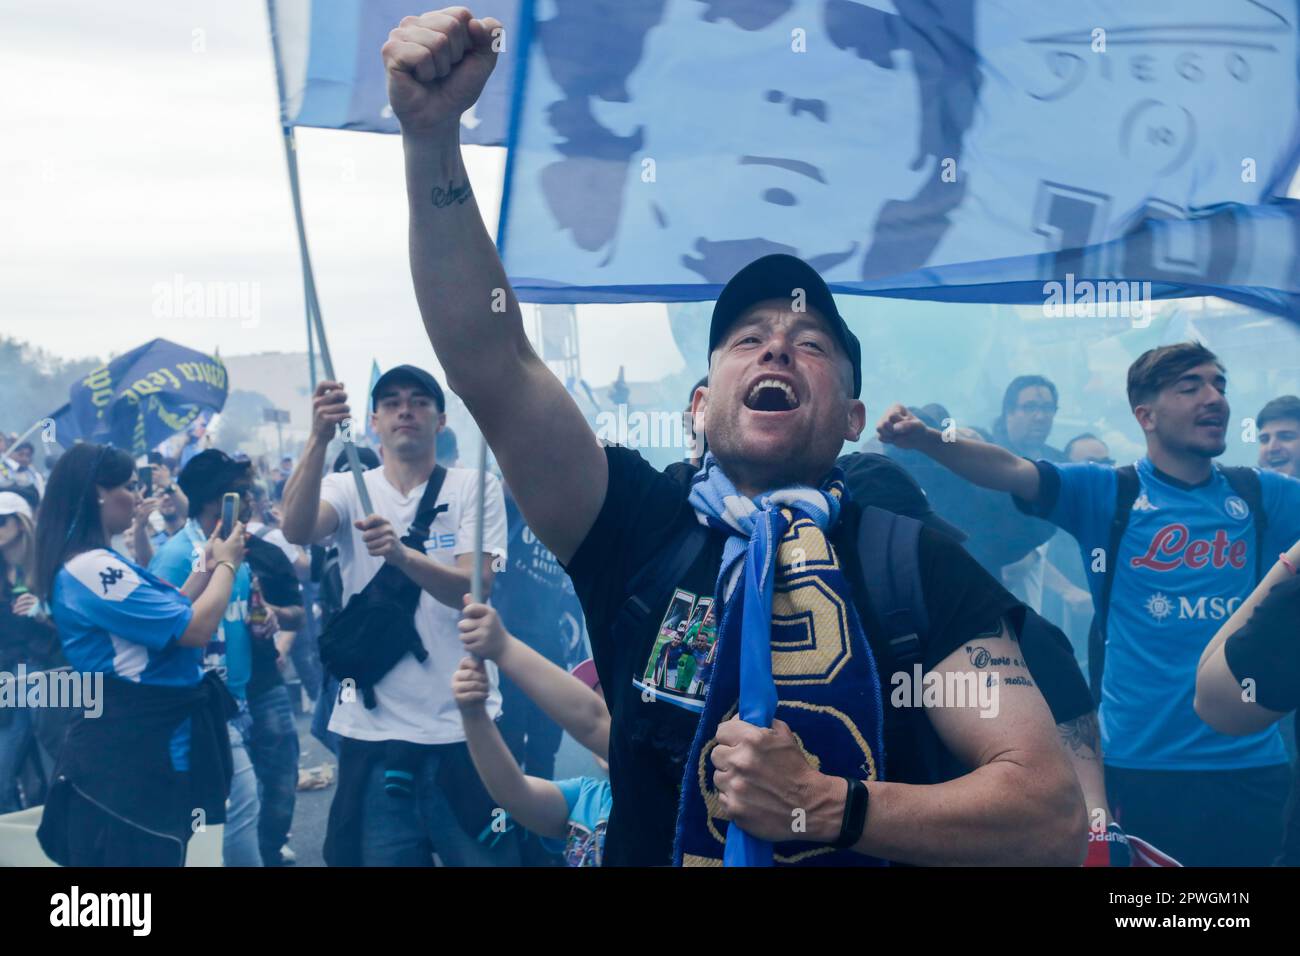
<point x="122" y="761"/>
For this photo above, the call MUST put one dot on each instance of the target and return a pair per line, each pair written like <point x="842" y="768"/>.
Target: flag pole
<point x="313" y="312"/>
<point x="308" y="280"/>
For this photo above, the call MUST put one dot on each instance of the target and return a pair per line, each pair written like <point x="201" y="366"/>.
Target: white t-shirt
<point x="414" y="701"/>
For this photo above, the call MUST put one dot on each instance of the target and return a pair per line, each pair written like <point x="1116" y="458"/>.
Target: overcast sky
<point x="130" y="158"/>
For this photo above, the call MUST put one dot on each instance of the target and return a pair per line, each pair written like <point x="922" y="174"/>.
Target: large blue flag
<point x="963" y="150"/>
<point x="142" y="398"/>
<point x="331" y="74"/>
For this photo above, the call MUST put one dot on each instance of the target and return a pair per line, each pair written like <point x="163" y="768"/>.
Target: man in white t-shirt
<point x="406" y="786"/>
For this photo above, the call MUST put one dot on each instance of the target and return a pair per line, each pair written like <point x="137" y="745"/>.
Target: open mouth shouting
<point x="771" y="394"/>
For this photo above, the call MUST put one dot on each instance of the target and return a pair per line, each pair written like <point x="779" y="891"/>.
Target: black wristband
<point x="855" y="814"/>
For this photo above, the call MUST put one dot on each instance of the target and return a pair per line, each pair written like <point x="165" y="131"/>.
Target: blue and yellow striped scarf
<point x="790" y="645"/>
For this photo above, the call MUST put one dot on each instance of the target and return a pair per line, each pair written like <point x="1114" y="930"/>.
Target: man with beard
<point x="1173" y="545"/>
<point x="785" y="373"/>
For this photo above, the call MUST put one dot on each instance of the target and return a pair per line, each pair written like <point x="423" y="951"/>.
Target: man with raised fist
<point x="644" y="547"/>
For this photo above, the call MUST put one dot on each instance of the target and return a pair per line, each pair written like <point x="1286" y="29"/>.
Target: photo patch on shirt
<point x="681" y="660"/>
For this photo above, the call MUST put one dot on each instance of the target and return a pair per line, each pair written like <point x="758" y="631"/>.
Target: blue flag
<point x="331" y="74"/>
<point x="969" y="150"/>
<point x="142" y="398"/>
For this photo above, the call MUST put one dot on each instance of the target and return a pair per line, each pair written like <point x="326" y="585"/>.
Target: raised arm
<point x="564" y="699"/>
<point x="305" y="519"/>
<point x="437" y="64"/>
<point x="536" y="803"/>
<point x="978" y="462"/>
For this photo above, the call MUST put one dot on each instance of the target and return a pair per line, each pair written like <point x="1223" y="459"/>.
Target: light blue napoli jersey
<point x="1185" y="563"/>
<point x="590" y="800"/>
<point x="230" y="652"/>
<point x="115" y="617"/>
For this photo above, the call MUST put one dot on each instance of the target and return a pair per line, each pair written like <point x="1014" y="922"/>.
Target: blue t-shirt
<point x="590" y="800"/>
<point x="230" y="652"/>
<point x="1186" y="562"/>
<point x="115" y="617"/>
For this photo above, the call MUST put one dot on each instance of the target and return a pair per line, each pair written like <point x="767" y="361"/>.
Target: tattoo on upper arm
<point x="453" y="194"/>
<point x="1082" y="736"/>
<point x="981" y="658"/>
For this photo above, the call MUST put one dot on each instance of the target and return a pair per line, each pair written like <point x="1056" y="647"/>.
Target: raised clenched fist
<point x="437" y="65"/>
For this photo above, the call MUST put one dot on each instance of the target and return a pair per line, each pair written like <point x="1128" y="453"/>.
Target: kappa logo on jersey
<point x="1143" y="503"/>
<point x="104" y="575"/>
<point x="1236" y="508"/>
<point x="110" y="576"/>
<point x="1172" y="547"/>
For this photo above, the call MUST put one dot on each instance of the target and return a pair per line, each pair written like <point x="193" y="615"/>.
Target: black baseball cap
<point x="209" y="475"/>
<point x="408" y="375"/>
<point x="776" y="277"/>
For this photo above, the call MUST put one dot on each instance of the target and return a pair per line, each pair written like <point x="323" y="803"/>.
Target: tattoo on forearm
<point x="453" y="194"/>
<point x="1082" y="736"/>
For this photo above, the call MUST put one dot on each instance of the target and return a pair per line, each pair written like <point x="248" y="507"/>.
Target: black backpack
<point x="889" y="553"/>
<point x="1245" y="484"/>
<point x="376" y="628"/>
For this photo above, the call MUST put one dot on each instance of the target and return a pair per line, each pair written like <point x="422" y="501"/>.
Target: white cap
<point x="11" y="503"/>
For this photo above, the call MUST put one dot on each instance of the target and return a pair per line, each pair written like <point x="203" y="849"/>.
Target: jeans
<point x="239" y="841"/>
<point x="1204" y="818"/>
<point x="17" y="739"/>
<point x="407" y="831"/>
<point x="273" y="749"/>
<point x="305" y="650"/>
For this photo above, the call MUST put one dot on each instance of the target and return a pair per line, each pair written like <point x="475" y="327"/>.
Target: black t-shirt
<point x="645" y="511"/>
<point x="1266" y="649"/>
<point x="279" y="586"/>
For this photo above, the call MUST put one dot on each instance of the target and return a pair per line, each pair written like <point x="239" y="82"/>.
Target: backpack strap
<point x="1246" y="485"/>
<point x="1127" y="487"/>
<point x="653" y="584"/>
<point x="426" y="510"/>
<point x="889" y="553"/>
<point x="889" y="550"/>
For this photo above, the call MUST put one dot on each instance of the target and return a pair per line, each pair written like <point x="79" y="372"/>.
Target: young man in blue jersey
<point x="205" y="479"/>
<point x="1186" y="560"/>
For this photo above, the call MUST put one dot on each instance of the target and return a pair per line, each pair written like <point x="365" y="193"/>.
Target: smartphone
<point x="229" y="510"/>
<point x="146" y="480"/>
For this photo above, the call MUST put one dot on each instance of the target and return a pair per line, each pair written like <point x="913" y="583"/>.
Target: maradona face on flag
<point x="965" y="150"/>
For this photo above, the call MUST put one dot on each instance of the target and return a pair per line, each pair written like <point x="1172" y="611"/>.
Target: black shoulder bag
<point x="376" y="628"/>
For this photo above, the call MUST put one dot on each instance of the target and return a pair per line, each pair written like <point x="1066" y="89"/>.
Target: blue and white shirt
<point x="1186" y="562"/>
<point x="114" y="617"/>
<point x="230" y="652"/>
<point x="590" y="800"/>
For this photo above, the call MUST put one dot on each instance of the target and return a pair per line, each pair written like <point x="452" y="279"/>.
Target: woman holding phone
<point x="134" y="780"/>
